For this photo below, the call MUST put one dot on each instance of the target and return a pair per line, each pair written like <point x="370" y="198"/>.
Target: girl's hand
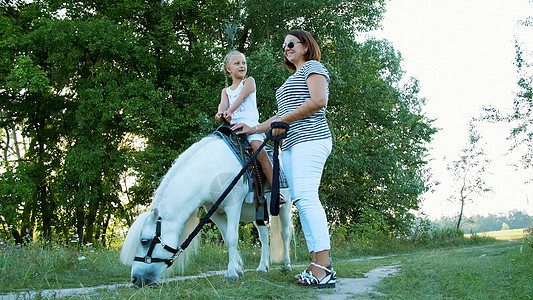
<point x="227" y="115"/>
<point x="218" y="117"/>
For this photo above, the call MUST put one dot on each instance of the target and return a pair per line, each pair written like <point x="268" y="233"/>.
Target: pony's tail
<point x="183" y="260"/>
<point x="276" y="241"/>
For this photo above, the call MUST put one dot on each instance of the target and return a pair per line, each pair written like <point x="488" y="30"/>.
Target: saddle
<point x="255" y="176"/>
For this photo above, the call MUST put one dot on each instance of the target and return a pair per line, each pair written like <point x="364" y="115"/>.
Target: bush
<point x="447" y="233"/>
<point x="528" y="236"/>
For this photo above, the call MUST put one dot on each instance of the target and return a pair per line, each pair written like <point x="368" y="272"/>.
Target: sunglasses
<point x="290" y="44"/>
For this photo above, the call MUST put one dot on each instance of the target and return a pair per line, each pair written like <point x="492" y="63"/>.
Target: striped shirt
<point x="293" y="93"/>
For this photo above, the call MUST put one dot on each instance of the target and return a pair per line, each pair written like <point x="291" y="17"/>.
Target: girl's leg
<point x="265" y="162"/>
<point x="263" y="159"/>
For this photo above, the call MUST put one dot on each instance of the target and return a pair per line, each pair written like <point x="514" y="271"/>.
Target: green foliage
<point x="467" y="171"/>
<point x="521" y="117"/>
<point x="39" y="266"/>
<point x="96" y="95"/>
<point x="476" y="224"/>
<point x="528" y="236"/>
<point x="505" y="226"/>
<point x="376" y="171"/>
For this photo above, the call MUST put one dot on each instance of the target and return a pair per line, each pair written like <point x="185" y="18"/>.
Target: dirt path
<point x="345" y="287"/>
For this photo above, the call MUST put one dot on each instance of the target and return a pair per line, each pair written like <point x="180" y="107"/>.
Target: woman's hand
<point x="245" y="128"/>
<point x="278" y="131"/>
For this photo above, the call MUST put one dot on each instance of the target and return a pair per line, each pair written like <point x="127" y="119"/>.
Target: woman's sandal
<point x="328" y="281"/>
<point x="282" y="199"/>
<point x="301" y="275"/>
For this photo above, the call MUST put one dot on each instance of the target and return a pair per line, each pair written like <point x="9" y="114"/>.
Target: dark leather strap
<point x="274" y="196"/>
<point x="157" y="240"/>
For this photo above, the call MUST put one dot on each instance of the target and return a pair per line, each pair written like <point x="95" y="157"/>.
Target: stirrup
<point x="327" y="282"/>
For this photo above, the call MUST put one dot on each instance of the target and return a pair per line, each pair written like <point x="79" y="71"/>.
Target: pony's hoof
<point x="232" y="275"/>
<point x="261" y="270"/>
<point x="286" y="267"/>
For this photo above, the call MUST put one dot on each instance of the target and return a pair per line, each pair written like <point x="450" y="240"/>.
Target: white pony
<point x="197" y="178"/>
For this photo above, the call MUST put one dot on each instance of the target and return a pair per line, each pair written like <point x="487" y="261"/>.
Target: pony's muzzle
<point x="141" y="281"/>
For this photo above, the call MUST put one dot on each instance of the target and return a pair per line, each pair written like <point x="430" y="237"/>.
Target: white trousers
<point x="303" y="164"/>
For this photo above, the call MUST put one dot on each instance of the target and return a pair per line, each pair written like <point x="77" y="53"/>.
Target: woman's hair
<point x="225" y="63"/>
<point x="313" y="50"/>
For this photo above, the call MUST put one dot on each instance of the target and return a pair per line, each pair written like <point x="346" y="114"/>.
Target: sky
<point x="462" y="52"/>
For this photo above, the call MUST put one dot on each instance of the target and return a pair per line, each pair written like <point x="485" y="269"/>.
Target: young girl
<point x="238" y="105"/>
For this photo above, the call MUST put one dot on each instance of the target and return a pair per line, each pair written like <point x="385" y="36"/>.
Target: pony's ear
<point x="155" y="213"/>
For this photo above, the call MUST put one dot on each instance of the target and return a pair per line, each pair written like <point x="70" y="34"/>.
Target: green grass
<point x="498" y="271"/>
<point x="276" y="284"/>
<point x="451" y="268"/>
<point x="34" y="268"/>
<point x="504" y="235"/>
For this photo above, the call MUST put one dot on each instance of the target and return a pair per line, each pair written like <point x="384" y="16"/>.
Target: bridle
<point x="148" y="259"/>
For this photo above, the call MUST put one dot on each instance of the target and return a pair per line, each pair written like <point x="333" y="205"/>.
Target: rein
<point x="274" y="203"/>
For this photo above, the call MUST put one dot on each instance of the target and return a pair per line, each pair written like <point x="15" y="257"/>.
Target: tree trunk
<point x="460" y="215"/>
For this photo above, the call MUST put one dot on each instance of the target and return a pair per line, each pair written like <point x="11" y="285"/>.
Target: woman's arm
<point x="259" y="128"/>
<point x="319" y="98"/>
<point x="317" y="85"/>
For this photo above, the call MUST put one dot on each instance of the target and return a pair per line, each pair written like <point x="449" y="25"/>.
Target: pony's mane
<point x="129" y="248"/>
<point x="182" y="159"/>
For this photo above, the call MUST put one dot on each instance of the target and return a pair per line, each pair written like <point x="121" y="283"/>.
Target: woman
<point x="302" y="102"/>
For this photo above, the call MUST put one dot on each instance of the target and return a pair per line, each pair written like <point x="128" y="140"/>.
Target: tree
<point x="376" y="172"/>
<point x="30" y="108"/>
<point x="520" y="117"/>
<point x="377" y="169"/>
<point x="477" y="223"/>
<point x="522" y="132"/>
<point x="468" y="171"/>
<point x="94" y="93"/>
<point x="505" y="226"/>
<point x="116" y="88"/>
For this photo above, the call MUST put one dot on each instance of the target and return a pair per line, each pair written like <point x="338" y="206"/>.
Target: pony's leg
<point x="265" y="250"/>
<point x="220" y="221"/>
<point x="222" y="224"/>
<point x="285" y="219"/>
<point x="232" y="237"/>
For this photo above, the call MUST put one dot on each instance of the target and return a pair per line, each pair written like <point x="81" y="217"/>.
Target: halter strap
<point x="157" y="240"/>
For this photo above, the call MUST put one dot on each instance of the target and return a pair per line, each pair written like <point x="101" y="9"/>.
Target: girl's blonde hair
<point x="225" y="63"/>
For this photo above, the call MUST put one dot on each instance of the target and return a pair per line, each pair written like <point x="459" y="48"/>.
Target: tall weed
<point x="38" y="266"/>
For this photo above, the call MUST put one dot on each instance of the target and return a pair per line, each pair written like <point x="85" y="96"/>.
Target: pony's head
<point x="150" y="248"/>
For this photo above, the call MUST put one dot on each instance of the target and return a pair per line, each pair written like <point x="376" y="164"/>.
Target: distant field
<point x="504" y="235"/>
